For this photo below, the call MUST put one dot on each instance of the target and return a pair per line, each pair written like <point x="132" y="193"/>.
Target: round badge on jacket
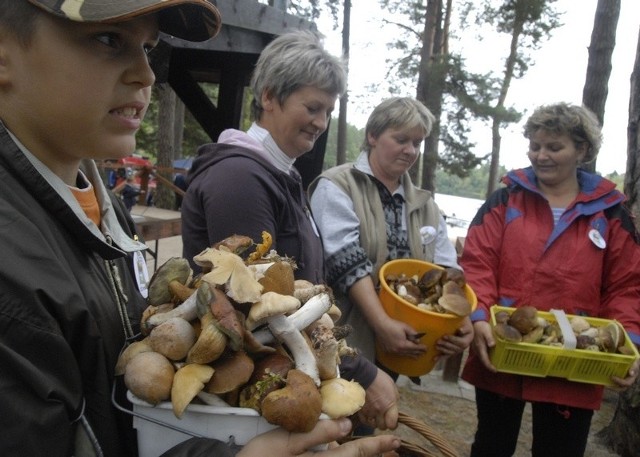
<point x="597" y="239"/>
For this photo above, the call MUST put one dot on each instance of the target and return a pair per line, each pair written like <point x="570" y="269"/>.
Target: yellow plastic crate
<point x="577" y="365"/>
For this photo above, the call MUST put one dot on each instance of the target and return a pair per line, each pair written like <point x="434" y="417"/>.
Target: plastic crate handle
<point x="568" y="336"/>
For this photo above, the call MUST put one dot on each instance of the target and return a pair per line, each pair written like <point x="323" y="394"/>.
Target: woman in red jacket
<point x="554" y="237"/>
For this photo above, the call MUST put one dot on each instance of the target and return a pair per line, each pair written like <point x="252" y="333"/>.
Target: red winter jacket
<point x="514" y="256"/>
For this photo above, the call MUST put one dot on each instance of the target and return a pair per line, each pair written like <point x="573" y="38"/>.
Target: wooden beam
<point x="194" y="98"/>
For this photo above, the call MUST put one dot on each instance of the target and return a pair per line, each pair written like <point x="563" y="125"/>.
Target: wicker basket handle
<point x="423" y="429"/>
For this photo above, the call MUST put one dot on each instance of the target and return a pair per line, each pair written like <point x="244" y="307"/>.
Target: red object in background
<point x="136" y="165"/>
<point x="135" y="161"/>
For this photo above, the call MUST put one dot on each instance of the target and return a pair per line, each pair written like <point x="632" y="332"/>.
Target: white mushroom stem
<point x="290" y="336"/>
<point x="186" y="310"/>
<point x="325" y="347"/>
<point x="310" y="312"/>
<point x="212" y="399"/>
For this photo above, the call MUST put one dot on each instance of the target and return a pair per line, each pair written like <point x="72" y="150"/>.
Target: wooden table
<point x="153" y="224"/>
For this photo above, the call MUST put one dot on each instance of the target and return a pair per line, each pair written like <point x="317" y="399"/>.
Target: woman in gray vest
<point x="369" y="212"/>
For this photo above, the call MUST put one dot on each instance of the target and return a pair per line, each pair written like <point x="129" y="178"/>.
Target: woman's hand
<point x="398" y="338"/>
<point x="623" y="384"/>
<point x="482" y="341"/>
<point x="458" y="342"/>
<point x="380" y="408"/>
<point x="394" y="337"/>
<point x="281" y="443"/>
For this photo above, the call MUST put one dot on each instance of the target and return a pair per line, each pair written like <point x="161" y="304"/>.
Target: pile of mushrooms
<point x="526" y="325"/>
<point x="437" y="290"/>
<point x="243" y="333"/>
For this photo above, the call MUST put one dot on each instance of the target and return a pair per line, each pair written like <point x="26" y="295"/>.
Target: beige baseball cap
<point x="193" y="20"/>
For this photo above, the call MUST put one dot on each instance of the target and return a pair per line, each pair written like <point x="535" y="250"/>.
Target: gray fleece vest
<point x="421" y="210"/>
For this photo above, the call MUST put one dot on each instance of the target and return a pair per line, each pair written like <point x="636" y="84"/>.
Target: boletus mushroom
<point x="507" y="333"/>
<point x="297" y="406"/>
<point x="173" y="338"/>
<point x="524" y="319"/>
<point x="149" y="376"/>
<point x="176" y="269"/>
<point x="231" y="371"/>
<point x="453" y="300"/>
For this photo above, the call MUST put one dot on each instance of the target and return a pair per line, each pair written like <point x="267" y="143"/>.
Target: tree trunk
<point x="603" y="40"/>
<point x="623" y="433"/>
<point x="518" y="25"/>
<point x="632" y="176"/>
<point x="430" y="88"/>
<point x="163" y="196"/>
<point x="341" y="152"/>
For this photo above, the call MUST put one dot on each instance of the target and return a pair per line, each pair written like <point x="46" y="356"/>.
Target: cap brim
<point x="193" y="20"/>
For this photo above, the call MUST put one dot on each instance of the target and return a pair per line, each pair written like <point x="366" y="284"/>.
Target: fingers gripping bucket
<point x="433" y="325"/>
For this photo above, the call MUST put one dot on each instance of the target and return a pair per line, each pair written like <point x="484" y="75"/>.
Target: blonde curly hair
<point x="579" y="122"/>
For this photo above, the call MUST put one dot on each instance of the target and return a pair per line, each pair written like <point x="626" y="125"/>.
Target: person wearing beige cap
<point x="75" y="84"/>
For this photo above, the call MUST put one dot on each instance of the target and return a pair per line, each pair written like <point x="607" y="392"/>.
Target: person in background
<point x="180" y="181"/>
<point x="246" y="182"/>
<point x="554" y="237"/>
<point x="128" y="191"/>
<point x="69" y="300"/>
<point x="369" y="212"/>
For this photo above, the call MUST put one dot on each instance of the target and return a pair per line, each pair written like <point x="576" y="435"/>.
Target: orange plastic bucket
<point x="433" y="325"/>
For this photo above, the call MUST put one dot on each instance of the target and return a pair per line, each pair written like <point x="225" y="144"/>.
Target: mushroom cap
<point x="453" y="299"/>
<point x="210" y="344"/>
<point x="173" y="338"/>
<point x="524" y="319"/>
<point x="235" y="243"/>
<point x="270" y="304"/>
<point x="297" y="406"/>
<point x="430" y="278"/>
<point x="229" y="269"/>
<point x="534" y="335"/>
<point x="579" y="324"/>
<point x="129" y="353"/>
<point x="341" y="398"/>
<point x="227" y="319"/>
<point x="455" y="304"/>
<point x="188" y="381"/>
<point x="455" y="275"/>
<point x="610" y="337"/>
<point x="273" y="364"/>
<point x="506" y="332"/>
<point x="278" y="278"/>
<point x="230" y="372"/>
<point x="174" y="269"/>
<point x="149" y="376"/>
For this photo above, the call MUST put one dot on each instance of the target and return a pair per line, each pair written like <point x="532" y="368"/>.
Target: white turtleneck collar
<point x="274" y="154"/>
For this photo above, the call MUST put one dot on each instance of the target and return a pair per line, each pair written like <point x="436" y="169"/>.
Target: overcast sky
<point x="557" y="75"/>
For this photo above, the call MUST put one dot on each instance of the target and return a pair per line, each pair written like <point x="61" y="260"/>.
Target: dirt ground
<point x="454" y="418"/>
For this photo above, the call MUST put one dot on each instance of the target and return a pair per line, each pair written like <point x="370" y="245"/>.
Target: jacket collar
<point x="596" y="192"/>
<point x="111" y="241"/>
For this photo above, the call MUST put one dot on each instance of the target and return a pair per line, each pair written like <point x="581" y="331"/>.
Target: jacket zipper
<point x="117" y="288"/>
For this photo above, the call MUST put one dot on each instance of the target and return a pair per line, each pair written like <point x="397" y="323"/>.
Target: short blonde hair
<point x="579" y="122"/>
<point x="397" y="112"/>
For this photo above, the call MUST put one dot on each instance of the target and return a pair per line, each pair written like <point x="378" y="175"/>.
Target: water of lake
<point x="459" y="212"/>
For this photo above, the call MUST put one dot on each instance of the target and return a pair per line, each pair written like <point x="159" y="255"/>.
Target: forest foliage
<point x="472" y="186"/>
